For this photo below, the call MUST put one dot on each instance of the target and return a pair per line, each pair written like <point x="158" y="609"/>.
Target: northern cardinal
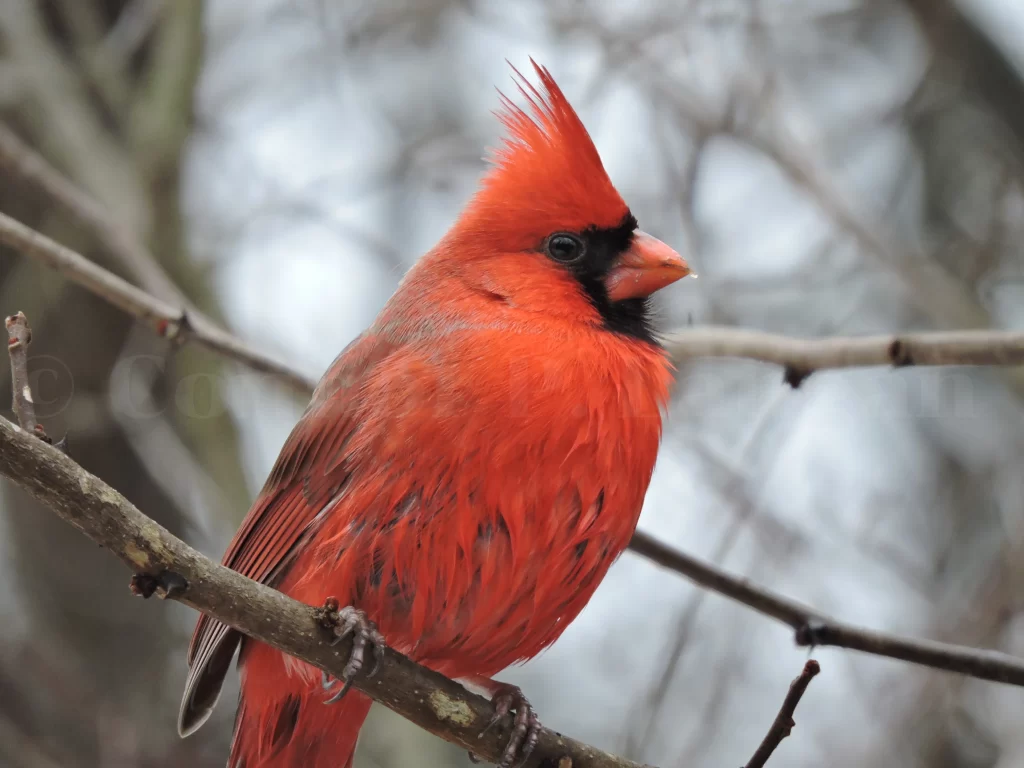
<point x="471" y="465"/>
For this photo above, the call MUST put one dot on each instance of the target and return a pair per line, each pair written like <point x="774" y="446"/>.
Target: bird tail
<point x="288" y="724"/>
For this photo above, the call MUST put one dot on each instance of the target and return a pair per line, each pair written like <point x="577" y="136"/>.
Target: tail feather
<point x="209" y="663"/>
<point x="298" y="733"/>
<point x="287" y="724"/>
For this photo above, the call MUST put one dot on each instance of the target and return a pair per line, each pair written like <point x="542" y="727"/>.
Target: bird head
<point x="547" y="231"/>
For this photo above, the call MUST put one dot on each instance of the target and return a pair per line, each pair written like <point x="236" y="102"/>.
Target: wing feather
<point x="308" y="473"/>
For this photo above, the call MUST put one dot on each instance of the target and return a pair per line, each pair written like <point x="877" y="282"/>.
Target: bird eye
<point x="565" y="248"/>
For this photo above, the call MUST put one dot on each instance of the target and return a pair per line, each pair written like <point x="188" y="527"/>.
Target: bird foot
<point x="365" y="636"/>
<point x="525" y="729"/>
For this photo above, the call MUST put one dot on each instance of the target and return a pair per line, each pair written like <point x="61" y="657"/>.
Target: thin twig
<point x="784" y="723"/>
<point x="813" y="628"/>
<point x="801" y="357"/>
<point x="19" y="336"/>
<point x="166" y="566"/>
<point x="166" y="319"/>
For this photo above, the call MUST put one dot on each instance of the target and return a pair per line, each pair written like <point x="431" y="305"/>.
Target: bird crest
<point x="546" y="174"/>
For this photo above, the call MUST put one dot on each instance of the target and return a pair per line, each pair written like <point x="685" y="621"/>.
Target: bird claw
<point x="352" y="621"/>
<point x="525" y="729"/>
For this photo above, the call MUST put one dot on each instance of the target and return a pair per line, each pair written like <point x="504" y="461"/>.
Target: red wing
<point x="294" y="494"/>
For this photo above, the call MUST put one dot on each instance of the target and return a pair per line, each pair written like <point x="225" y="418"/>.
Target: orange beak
<point x="648" y="266"/>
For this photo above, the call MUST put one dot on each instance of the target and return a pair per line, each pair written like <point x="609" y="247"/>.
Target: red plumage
<point x="470" y="466"/>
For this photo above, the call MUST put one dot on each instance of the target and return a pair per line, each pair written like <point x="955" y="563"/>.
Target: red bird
<point x="472" y="464"/>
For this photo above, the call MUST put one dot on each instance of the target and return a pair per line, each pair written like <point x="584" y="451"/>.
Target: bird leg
<point x="342" y="623"/>
<point x="526" y="727"/>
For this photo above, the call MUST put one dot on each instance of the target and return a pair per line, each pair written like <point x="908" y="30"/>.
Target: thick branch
<point x="784" y="723"/>
<point x="166" y="319"/>
<point x="813" y="628"/>
<point x="426" y="698"/>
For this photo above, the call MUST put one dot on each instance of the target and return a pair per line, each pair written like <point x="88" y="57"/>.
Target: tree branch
<point x="179" y="572"/>
<point x="166" y="319"/>
<point x="813" y="628"/>
<point x="19" y="336"/>
<point x="799" y="357"/>
<point x="784" y="723"/>
<point x="166" y="566"/>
